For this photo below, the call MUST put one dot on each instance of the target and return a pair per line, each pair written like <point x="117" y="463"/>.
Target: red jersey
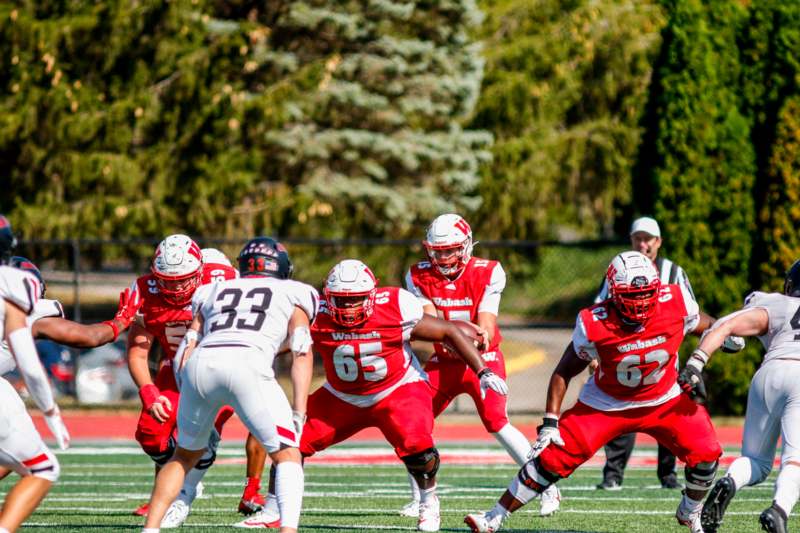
<point x="373" y="357"/>
<point x="638" y="364"/>
<point x="476" y="289"/>
<point x="165" y="321"/>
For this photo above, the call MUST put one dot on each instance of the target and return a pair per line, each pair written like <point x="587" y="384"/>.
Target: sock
<point x="289" y="479"/>
<point x="144" y="530"/>
<point x="744" y="471"/>
<point x="689" y="506"/>
<point x="515" y="443"/>
<point x="271" y="504"/>
<point x="4" y="530"/>
<point x="787" y="487"/>
<point x="427" y="494"/>
<point x="414" y="488"/>
<point x="498" y="511"/>
<point x="189" y="488"/>
<point x="252" y="485"/>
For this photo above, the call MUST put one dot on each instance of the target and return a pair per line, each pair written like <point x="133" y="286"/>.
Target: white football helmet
<point x="448" y="243"/>
<point x="350" y="292"/>
<point x="214" y="256"/>
<point x="633" y="285"/>
<point x="178" y="268"/>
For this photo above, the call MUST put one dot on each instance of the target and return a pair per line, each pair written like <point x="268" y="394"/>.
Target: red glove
<point x="149" y="394"/>
<point x="129" y="304"/>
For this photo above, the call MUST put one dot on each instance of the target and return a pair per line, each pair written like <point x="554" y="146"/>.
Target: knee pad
<point x="206" y="460"/>
<point x="46" y="468"/>
<point x="424" y="463"/>
<point x="700" y="476"/>
<point x="159" y="456"/>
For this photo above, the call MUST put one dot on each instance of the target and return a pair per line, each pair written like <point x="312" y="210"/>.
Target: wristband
<point x="149" y="395"/>
<point x="113" y="327"/>
<point x="549" y="422"/>
<point x="191" y="335"/>
<point x="484" y="371"/>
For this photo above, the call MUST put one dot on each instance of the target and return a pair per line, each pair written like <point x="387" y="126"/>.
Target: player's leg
<point x="22" y="450"/>
<point x="252" y="500"/>
<point x="584" y="431"/>
<point x="405" y="418"/>
<point x="666" y="471"/>
<point x="618" y="451"/>
<point x="759" y="440"/>
<point x="685" y="428"/>
<point x="195" y="424"/>
<point x="787" y="486"/>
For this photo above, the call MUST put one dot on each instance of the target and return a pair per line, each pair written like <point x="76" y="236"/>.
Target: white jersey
<point x="42" y="309"/>
<point x="252" y="311"/>
<point x="782" y="339"/>
<point x="19" y="287"/>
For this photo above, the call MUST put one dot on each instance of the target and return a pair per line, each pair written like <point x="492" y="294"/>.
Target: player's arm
<point x="20" y="341"/>
<point x="187" y="345"/>
<point x="489" y="307"/>
<point x="437" y="330"/>
<point x="568" y="367"/>
<point x="139" y="344"/>
<point x="704" y="322"/>
<point x="302" y="364"/>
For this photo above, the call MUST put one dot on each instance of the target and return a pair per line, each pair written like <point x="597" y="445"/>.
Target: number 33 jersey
<point x="365" y="363"/>
<point x="253" y="311"/>
<point x="637" y="364"/>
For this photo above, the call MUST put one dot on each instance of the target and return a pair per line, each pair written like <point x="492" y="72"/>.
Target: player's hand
<point x="299" y="420"/>
<point x="484" y="335"/>
<point x="733" y="344"/>
<point x="161" y="409"/>
<point x="129" y="304"/>
<point x="546" y="433"/>
<point x="57" y="427"/>
<point x="691" y="381"/>
<point x="490" y="380"/>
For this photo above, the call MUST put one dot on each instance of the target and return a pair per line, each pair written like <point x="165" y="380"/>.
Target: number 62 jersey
<point x="253" y="311"/>
<point x="637" y="363"/>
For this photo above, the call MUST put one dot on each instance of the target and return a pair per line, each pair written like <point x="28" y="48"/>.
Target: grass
<point x="97" y="492"/>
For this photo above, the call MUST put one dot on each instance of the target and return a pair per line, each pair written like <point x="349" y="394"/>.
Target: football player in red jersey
<point x="165" y="314"/>
<point x="454" y="285"/>
<point x="634" y="336"/>
<point x="362" y="335"/>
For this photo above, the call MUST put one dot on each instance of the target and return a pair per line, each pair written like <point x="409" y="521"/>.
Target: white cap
<point x="647" y="225"/>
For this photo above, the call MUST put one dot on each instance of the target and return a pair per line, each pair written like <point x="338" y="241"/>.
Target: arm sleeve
<point x="410" y="311"/>
<point x="692" y="316"/>
<point x="603" y="293"/>
<point x="306" y="298"/>
<point x="584" y="348"/>
<point x="413" y="289"/>
<point x="490" y="303"/>
<point x="24" y="350"/>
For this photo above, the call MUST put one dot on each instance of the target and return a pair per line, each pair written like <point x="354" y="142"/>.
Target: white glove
<point x="490" y="380"/>
<point x="733" y="344"/>
<point x="301" y="340"/>
<point x="57" y="428"/>
<point x="547" y="433"/>
<point x="299" y="420"/>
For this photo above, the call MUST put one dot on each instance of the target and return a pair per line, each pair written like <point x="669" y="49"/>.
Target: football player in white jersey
<point x="21" y="447"/>
<point x="773" y="402"/>
<point x="226" y="359"/>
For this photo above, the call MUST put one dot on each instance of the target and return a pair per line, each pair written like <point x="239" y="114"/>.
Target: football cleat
<point x="429" y="519"/>
<point x="142" y="509"/>
<point x="691" y="520"/>
<point x="176" y="515"/>
<point x="266" y="518"/>
<point x="252" y="501"/>
<point x="671" y="482"/>
<point x="551" y="501"/>
<point x="716" y="503"/>
<point x="773" y="519"/>
<point x="411" y="509"/>
<point x="483" y="523"/>
<point x="609" y="484"/>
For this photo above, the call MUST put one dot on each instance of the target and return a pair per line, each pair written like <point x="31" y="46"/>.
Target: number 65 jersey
<point x="253" y="311"/>
<point x="637" y="363"/>
<point x="365" y="363"/>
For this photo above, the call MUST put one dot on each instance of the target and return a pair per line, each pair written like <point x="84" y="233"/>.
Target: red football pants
<point x="680" y="424"/>
<point x="404" y="417"/>
<point x="450" y="377"/>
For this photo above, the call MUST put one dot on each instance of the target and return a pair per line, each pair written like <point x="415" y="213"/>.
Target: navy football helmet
<point x="26" y="265"/>
<point x="7" y="240"/>
<point x="791" y="285"/>
<point x="264" y="256"/>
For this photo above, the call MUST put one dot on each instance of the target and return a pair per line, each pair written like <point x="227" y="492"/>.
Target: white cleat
<point x="429" y="519"/>
<point x="176" y="515"/>
<point x="692" y="520"/>
<point x="266" y="518"/>
<point x="483" y="523"/>
<point x="411" y="509"/>
<point x="551" y="501"/>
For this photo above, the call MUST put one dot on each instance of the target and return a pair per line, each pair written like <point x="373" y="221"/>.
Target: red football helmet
<point x="350" y="292"/>
<point x="448" y="243"/>
<point x="633" y="285"/>
<point x="178" y="268"/>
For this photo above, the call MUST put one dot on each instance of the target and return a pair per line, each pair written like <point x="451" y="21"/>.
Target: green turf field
<point x="98" y="490"/>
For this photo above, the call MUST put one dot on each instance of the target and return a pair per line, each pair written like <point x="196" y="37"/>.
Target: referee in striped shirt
<point x="645" y="238"/>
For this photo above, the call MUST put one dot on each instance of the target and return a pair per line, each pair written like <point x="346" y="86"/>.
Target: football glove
<point x="691" y="381"/>
<point x="129" y="304"/>
<point x="546" y="433"/>
<point x="490" y="380"/>
<point x="57" y="428"/>
<point x="733" y="344"/>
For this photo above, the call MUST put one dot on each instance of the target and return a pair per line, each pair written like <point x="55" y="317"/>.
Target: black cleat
<point x="716" y="503"/>
<point x="609" y="484"/>
<point x="671" y="482"/>
<point x="773" y="519"/>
